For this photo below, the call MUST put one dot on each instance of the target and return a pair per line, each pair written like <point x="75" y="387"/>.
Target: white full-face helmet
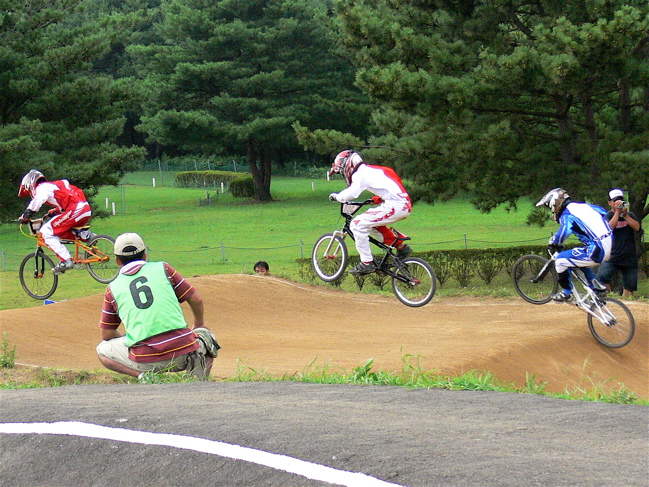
<point x="555" y="199"/>
<point x="346" y="164"/>
<point x="29" y="183"/>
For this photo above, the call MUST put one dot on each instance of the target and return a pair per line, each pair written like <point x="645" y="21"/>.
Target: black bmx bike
<point x="413" y="279"/>
<point x="610" y="321"/>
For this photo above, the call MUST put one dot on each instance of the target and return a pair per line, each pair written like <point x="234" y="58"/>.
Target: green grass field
<point x="229" y="236"/>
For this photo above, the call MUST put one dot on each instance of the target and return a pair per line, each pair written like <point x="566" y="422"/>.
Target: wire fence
<point x="223" y="253"/>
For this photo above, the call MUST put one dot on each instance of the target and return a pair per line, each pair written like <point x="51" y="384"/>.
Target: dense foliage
<point x="501" y="98"/>
<point x="232" y="76"/>
<point x="507" y="98"/>
<point x="57" y="114"/>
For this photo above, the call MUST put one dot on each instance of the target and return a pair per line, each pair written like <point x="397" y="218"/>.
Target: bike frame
<point x="384" y="263"/>
<point x="79" y="247"/>
<point x="587" y="300"/>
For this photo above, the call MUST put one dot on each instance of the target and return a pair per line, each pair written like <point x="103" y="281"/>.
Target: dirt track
<point x="280" y="327"/>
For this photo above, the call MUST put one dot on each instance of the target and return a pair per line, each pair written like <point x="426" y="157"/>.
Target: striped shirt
<point x="158" y="347"/>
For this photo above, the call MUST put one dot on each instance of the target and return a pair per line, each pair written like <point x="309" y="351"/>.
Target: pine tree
<point x="56" y="113"/>
<point x="234" y="75"/>
<point x="508" y="98"/>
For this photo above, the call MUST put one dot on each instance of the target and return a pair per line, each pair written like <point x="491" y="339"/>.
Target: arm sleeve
<point x="353" y="191"/>
<point x="182" y="288"/>
<point x="109" y="316"/>
<point x="41" y="195"/>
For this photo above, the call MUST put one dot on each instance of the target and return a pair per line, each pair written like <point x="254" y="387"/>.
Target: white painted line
<point x="236" y="452"/>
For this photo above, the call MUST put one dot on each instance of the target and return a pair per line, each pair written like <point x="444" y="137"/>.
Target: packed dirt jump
<point x="278" y="327"/>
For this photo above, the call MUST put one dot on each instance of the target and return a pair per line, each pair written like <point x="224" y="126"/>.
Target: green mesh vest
<point x="147" y="303"/>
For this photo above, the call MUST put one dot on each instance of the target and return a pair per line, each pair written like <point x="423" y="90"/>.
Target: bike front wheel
<point x="36" y="276"/>
<point x="530" y="283"/>
<point x="103" y="267"/>
<point x="414" y="282"/>
<point x="329" y="257"/>
<point x="613" y="324"/>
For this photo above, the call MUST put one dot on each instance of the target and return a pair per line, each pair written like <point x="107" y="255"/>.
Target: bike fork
<point x="336" y="233"/>
<point x="39" y="263"/>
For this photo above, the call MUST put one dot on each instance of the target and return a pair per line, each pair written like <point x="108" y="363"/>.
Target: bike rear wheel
<point x="532" y="287"/>
<point x="414" y="284"/>
<point x="614" y="325"/>
<point x="36" y="275"/>
<point x="103" y="247"/>
<point x="329" y="257"/>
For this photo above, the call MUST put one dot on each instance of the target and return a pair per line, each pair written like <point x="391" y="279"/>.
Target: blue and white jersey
<point x="588" y="223"/>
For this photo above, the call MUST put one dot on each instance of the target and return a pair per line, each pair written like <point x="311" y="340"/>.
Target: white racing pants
<point x="366" y="223"/>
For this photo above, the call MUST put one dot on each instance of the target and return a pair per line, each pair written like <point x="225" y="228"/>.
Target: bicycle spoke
<point x="529" y="283"/>
<point x="329" y="257"/>
<point x="101" y="264"/>
<point x="414" y="283"/>
<point x="36" y="276"/>
<point x="611" y="323"/>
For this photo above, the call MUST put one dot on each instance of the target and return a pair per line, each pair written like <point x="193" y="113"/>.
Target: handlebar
<point x="34" y="226"/>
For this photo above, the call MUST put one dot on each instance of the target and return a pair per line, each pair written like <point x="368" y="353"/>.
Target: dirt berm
<point x="280" y="327"/>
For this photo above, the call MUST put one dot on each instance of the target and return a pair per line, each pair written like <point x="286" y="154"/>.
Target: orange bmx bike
<point x="36" y="270"/>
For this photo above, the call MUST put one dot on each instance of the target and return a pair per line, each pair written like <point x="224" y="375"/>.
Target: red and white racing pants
<point x="61" y="227"/>
<point x="371" y="222"/>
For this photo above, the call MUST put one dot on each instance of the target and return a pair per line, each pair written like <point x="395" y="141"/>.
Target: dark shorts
<point x="608" y="270"/>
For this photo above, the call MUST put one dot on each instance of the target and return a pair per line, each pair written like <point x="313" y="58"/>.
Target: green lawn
<point x="232" y="234"/>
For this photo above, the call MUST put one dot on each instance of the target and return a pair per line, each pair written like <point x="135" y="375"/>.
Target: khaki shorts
<point x="116" y="350"/>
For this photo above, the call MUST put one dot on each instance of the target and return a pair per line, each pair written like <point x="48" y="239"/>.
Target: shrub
<point x="211" y="179"/>
<point x="243" y="186"/>
<point x="7" y="354"/>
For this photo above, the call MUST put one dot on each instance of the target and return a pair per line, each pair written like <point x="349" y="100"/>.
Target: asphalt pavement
<point x="296" y="434"/>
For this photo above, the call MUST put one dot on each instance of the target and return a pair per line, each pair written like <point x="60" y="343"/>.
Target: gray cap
<point x="128" y="244"/>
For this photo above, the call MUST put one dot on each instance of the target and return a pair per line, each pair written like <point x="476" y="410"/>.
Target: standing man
<point x="146" y="297"/>
<point x="624" y="257"/>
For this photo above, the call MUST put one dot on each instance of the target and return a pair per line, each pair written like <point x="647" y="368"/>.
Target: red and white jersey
<point x="60" y="194"/>
<point x="379" y="180"/>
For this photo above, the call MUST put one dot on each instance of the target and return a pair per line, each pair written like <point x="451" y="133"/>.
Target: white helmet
<point x="556" y="199"/>
<point x="29" y="183"/>
<point x="346" y="164"/>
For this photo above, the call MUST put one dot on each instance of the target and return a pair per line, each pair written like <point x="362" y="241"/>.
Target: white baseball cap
<point x="615" y="193"/>
<point x="128" y="244"/>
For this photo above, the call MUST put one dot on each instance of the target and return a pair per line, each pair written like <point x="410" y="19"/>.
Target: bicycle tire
<point x="525" y="270"/>
<point x="329" y="257"/>
<point x="617" y="334"/>
<point x="36" y="276"/>
<point x="419" y="294"/>
<point x="103" y="272"/>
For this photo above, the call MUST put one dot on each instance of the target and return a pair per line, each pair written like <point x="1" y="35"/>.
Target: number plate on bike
<point x="348" y="209"/>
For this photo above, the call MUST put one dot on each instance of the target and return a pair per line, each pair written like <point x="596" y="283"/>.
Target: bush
<point x="460" y="265"/>
<point x="7" y="353"/>
<point x="243" y="186"/>
<point x="207" y="179"/>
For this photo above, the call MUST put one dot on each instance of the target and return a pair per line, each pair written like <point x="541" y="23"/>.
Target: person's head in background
<point x="261" y="268"/>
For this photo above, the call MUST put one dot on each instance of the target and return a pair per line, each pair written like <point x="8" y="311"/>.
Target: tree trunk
<point x="566" y="132"/>
<point x="260" y="168"/>
<point x="591" y="129"/>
